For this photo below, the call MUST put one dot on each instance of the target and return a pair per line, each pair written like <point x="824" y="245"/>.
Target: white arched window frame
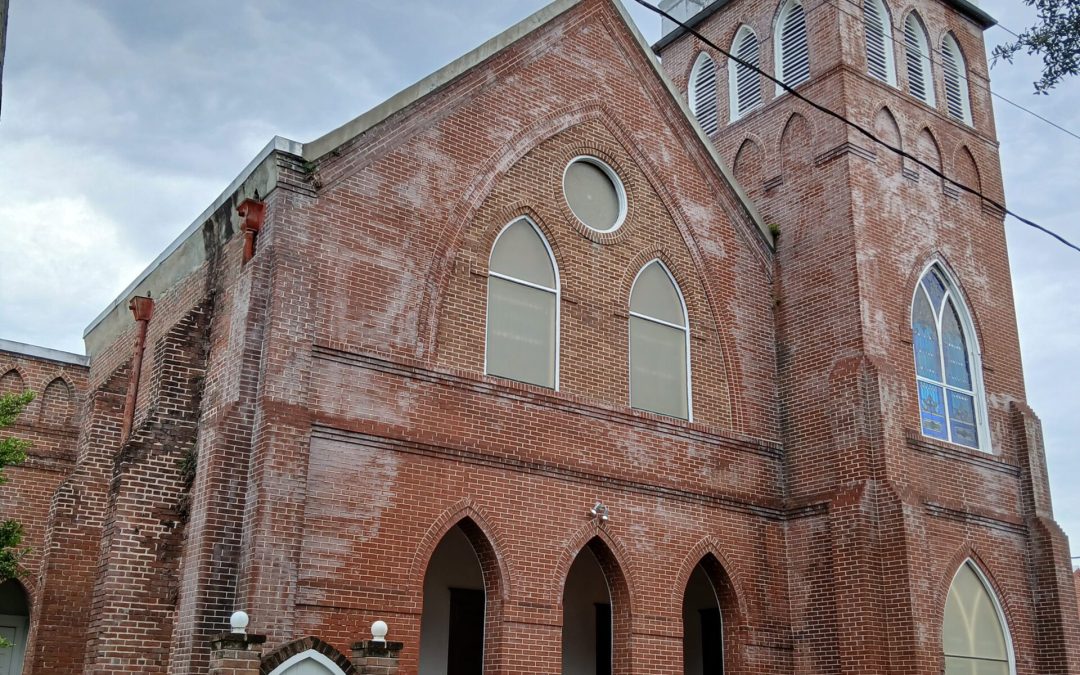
<point x="295" y="664"/>
<point x="954" y="67"/>
<point x="524" y="286"/>
<point x="702" y="93"/>
<point x="880" y="57"/>
<point x="948" y="364"/>
<point x="1004" y="662"/>
<point x="685" y="408"/>
<point x="792" y="52"/>
<point x="744" y="83"/>
<point x="917" y="58"/>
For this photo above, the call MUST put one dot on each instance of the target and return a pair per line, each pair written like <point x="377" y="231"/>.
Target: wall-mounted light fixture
<point x="599" y="511"/>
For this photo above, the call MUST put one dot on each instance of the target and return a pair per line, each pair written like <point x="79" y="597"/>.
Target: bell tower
<point x="911" y="454"/>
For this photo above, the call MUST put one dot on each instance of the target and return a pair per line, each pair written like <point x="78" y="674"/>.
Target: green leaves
<point x="12" y="451"/>
<point x="1055" y="36"/>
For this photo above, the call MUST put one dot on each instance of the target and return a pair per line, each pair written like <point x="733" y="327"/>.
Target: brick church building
<point x="580" y="355"/>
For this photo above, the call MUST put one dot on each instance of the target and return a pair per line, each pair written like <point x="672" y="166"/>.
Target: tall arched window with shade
<point x="744" y="83"/>
<point x="975" y="636"/>
<point x="951" y="401"/>
<point x="659" y="344"/>
<point x="523" y="307"/>
<point x="917" y="56"/>
<point x="792" y="45"/>
<point x="879" y="41"/>
<point x="703" y="93"/>
<point x="957" y="97"/>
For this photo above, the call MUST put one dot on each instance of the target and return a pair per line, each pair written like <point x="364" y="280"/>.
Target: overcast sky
<point x="123" y="120"/>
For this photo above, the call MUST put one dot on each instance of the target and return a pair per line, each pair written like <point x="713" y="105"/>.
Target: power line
<point x="930" y="57"/>
<point x="857" y="127"/>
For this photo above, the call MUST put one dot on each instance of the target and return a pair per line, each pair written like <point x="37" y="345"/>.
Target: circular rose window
<point x="595" y="194"/>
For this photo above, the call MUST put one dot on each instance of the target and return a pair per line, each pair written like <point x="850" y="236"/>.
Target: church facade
<point x="563" y="360"/>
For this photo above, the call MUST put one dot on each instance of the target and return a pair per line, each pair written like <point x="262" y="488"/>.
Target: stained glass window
<point x="659" y="346"/>
<point x="973" y="635"/>
<point x="950" y="406"/>
<point x="522" y="312"/>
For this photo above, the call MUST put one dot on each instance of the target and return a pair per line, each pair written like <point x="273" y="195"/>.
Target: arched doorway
<point x="14" y="623"/>
<point x="310" y="662"/>
<point x="703" y="627"/>
<point x="462" y="591"/>
<point x="711" y="620"/>
<point x="596" y="613"/>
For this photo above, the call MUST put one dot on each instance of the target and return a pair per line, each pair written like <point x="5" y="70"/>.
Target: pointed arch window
<point x="523" y="307"/>
<point x="703" y="93"/>
<point x="917" y="56"/>
<point x="744" y="82"/>
<point x="974" y="636"/>
<point x="951" y="402"/>
<point x="792" y="45"/>
<point x="879" y="41"/>
<point x="659" y="344"/>
<point x="957" y="97"/>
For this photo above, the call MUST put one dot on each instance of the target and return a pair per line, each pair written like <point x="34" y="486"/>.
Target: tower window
<point x="792" y="45"/>
<point x="879" y="47"/>
<point x="957" y="98"/>
<point x="917" y="53"/>
<point x="947" y="368"/>
<point x="703" y="93"/>
<point x="659" y="344"/>
<point x="974" y="635"/>
<point x="523" y="307"/>
<point x="744" y="82"/>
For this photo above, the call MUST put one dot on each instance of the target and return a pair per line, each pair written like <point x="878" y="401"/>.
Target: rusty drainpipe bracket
<point x="252" y="213"/>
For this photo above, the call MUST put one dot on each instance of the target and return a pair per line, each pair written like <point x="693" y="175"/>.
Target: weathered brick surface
<point x="312" y="422"/>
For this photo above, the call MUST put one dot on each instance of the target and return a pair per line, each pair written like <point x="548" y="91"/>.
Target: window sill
<point x="986" y="460"/>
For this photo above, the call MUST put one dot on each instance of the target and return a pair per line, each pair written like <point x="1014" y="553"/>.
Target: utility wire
<point x="831" y="113"/>
<point x="931" y="57"/>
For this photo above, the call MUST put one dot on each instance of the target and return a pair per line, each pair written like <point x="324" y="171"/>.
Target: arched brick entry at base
<point x="728" y="625"/>
<point x="578" y="580"/>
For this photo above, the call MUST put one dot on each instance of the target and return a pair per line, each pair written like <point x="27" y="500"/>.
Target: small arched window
<point x="879" y="41"/>
<point x="703" y="93"/>
<point x="744" y="82"/>
<point x="974" y="636"/>
<point x="792" y="45"/>
<point x="659" y="344"/>
<point x="947" y="364"/>
<point x="523" y="307"/>
<point x="917" y="56"/>
<point x="957" y="97"/>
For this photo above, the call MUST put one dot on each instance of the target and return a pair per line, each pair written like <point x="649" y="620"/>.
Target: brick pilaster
<point x="236" y="654"/>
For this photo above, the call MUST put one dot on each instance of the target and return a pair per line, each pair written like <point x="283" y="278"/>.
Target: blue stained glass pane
<point x="957" y="367"/>
<point x="925" y="338"/>
<point x="932" y="410"/>
<point x="962" y="419"/>
<point x="935" y="288"/>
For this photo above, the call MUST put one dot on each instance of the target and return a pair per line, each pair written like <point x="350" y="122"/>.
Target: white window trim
<point x="703" y="59"/>
<point x="312" y="655"/>
<point x="925" y="63"/>
<point x="778" y="51"/>
<point x="997" y="608"/>
<point x="557" y="291"/>
<point x="950" y="42"/>
<point x="890" y="43"/>
<point x="735" y="113"/>
<point x="974" y="360"/>
<point x="685" y="329"/>
<point x="620" y="192"/>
